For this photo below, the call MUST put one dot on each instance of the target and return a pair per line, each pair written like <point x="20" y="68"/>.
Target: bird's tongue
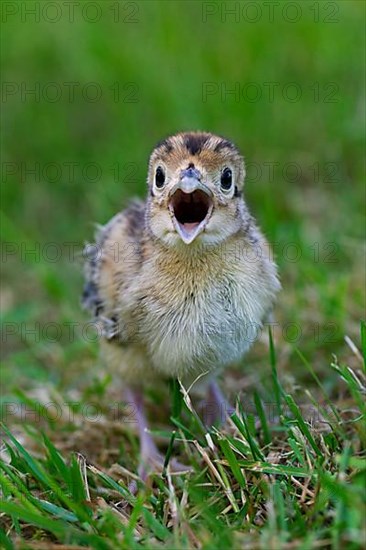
<point x="187" y="230"/>
<point x="189" y="227"/>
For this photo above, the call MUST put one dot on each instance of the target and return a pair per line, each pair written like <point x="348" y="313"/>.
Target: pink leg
<point x="151" y="460"/>
<point x="149" y="454"/>
<point x="216" y="408"/>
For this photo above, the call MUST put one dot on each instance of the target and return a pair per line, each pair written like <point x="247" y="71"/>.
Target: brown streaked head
<point x="195" y="181"/>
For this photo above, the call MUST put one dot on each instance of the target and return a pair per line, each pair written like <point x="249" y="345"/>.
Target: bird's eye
<point x="226" y="179"/>
<point x="159" y="177"/>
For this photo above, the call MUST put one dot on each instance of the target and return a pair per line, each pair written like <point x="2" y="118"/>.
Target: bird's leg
<point x="151" y="460"/>
<point x="216" y="409"/>
<point x="149" y="454"/>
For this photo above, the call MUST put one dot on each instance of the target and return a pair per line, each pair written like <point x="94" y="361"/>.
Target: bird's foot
<point x="153" y="464"/>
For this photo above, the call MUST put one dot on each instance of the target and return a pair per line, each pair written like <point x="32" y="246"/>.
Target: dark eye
<point x="159" y="177"/>
<point x="226" y="179"/>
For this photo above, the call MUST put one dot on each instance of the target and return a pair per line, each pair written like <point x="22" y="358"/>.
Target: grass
<point x="288" y="469"/>
<point x="263" y="481"/>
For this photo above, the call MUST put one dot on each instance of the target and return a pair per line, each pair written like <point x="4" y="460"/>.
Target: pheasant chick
<point x="182" y="282"/>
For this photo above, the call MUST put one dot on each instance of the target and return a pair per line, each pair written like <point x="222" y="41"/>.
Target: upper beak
<point x="188" y="185"/>
<point x="191" y="204"/>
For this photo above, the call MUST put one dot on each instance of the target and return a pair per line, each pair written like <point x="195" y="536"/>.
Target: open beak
<point x="191" y="206"/>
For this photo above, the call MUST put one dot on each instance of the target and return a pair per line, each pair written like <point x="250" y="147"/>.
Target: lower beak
<point x="191" y="206"/>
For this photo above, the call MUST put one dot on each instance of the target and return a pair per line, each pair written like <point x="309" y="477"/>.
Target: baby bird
<point x="182" y="282"/>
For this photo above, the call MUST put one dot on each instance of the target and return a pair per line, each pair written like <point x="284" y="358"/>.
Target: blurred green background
<point x="111" y="80"/>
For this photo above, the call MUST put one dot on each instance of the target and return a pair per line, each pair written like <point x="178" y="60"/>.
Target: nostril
<point x="191" y="172"/>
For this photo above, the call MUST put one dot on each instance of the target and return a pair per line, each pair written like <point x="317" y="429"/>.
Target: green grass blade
<point x="22" y="494"/>
<point x="232" y="460"/>
<point x="160" y="531"/>
<point x="57" y="527"/>
<point x="262" y="418"/>
<point x="76" y="482"/>
<point x="256" y="452"/>
<point x="301" y="423"/>
<point x="57" y="460"/>
<point x="276" y="469"/>
<point x="35" y="468"/>
<point x="5" y="541"/>
<point x="279" y="506"/>
<point x="57" y="511"/>
<point x="276" y="383"/>
<point x="177" y="398"/>
<point x="169" y="451"/>
<point x="363" y="343"/>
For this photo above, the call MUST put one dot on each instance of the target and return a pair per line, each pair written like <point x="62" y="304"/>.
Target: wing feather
<point x="112" y="263"/>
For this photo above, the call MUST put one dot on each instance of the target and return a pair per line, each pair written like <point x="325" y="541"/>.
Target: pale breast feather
<point x="210" y="329"/>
